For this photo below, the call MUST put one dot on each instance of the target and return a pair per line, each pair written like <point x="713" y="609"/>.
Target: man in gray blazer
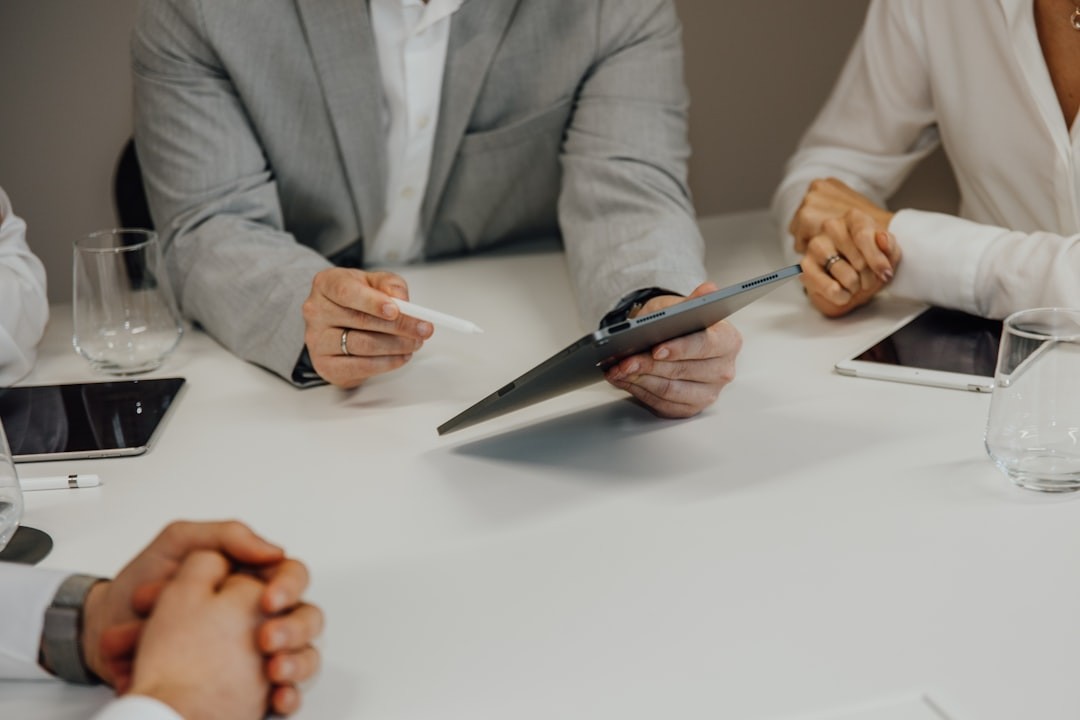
<point x="290" y="147"/>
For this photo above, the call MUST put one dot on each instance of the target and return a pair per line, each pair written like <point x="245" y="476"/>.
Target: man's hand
<point x="114" y="610"/>
<point x="848" y="253"/>
<point x="680" y="377"/>
<point x="197" y="652"/>
<point x="354" y="329"/>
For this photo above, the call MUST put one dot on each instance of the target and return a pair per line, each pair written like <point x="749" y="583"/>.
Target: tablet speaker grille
<point x="759" y="281"/>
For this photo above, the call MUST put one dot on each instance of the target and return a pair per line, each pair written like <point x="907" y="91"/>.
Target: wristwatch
<point x="632" y="303"/>
<point x="61" y="638"/>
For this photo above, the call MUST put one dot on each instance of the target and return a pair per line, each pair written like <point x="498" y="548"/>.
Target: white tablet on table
<point x="938" y="347"/>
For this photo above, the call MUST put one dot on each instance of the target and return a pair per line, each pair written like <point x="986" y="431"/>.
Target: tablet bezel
<point x="97" y="453"/>
<point x="852" y="367"/>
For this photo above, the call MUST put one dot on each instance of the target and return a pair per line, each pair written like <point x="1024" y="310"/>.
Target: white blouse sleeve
<point x="137" y="707"/>
<point x="982" y="269"/>
<point x="25" y="594"/>
<point x="24" y="307"/>
<point x="877" y="124"/>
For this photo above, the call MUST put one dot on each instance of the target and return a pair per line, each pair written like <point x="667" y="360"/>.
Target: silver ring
<point x="345" y="342"/>
<point x="830" y="261"/>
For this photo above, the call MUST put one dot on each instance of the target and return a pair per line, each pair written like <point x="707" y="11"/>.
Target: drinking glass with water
<point x="1033" y="433"/>
<point x="125" y="315"/>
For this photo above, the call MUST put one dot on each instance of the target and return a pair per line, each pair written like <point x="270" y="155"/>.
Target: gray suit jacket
<point x="259" y="129"/>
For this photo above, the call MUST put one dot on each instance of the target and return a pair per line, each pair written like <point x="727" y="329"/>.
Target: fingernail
<point x="662" y="353"/>
<point x="388" y="310"/>
<point x="887" y="276"/>
<point x="424" y="328"/>
<point x="286" y="668"/>
<point x="631" y="369"/>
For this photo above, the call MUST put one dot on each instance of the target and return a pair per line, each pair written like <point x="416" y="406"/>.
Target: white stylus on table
<point x="60" y="482"/>
<point x="439" y="319"/>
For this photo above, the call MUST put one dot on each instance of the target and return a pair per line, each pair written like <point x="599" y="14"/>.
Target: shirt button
<point x="393" y="256"/>
<point x="409" y="192"/>
<point x="423" y="121"/>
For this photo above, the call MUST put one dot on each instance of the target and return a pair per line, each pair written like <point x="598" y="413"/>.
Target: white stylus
<point x="438" y="318"/>
<point x="61" y="482"/>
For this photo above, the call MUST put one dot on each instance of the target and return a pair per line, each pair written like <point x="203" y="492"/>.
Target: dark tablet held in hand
<point x="585" y="361"/>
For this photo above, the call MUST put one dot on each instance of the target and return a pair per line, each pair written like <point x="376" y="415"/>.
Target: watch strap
<point x="61" y="637"/>
<point x="631" y="303"/>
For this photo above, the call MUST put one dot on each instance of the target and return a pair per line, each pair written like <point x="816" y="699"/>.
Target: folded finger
<point x="284" y="699"/>
<point x="146" y="596"/>
<point x="815" y="279"/>
<point x="354" y="290"/>
<point x="292" y="631"/>
<point x="717" y="341"/>
<point x="362" y="343"/>
<point x="338" y="316"/>
<point x="293" y="667"/>
<point x="847" y="270"/>
<point x="864" y="231"/>
<point x="285" y="584"/>
<point x="232" y="537"/>
<point x="657" y="404"/>
<point x="349" y="372"/>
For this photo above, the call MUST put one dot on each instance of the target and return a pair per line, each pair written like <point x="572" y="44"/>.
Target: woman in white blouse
<point x="997" y="83"/>
<point x="24" y="309"/>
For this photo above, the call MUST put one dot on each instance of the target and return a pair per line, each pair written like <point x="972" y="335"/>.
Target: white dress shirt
<point x="137" y="707"/>
<point x="24" y="307"/>
<point x="968" y="74"/>
<point x="25" y="593"/>
<point x="412" y="40"/>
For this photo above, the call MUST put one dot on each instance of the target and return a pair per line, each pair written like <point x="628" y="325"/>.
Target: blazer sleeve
<point x="24" y="306"/>
<point x="624" y="207"/>
<point x="212" y="193"/>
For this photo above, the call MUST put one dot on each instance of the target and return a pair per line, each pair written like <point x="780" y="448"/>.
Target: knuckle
<point x="818" y="243"/>
<point x="833" y="226"/>
<point x="175" y="530"/>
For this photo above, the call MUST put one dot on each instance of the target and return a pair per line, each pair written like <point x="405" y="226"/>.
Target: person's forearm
<point x="984" y="269"/>
<point x="625" y="209"/>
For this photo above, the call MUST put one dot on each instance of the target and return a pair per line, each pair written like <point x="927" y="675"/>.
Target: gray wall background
<point x="758" y="72"/>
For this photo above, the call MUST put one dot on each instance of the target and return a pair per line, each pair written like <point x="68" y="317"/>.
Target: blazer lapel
<point x="476" y="31"/>
<point x="342" y="45"/>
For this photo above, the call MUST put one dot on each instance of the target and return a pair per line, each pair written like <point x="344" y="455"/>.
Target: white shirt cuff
<point x="25" y="594"/>
<point x="940" y="260"/>
<point x="137" y="707"/>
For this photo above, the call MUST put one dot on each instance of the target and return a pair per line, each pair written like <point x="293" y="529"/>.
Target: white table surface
<point x="811" y="542"/>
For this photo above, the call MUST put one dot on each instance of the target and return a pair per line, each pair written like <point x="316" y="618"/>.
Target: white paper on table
<point x="909" y="708"/>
